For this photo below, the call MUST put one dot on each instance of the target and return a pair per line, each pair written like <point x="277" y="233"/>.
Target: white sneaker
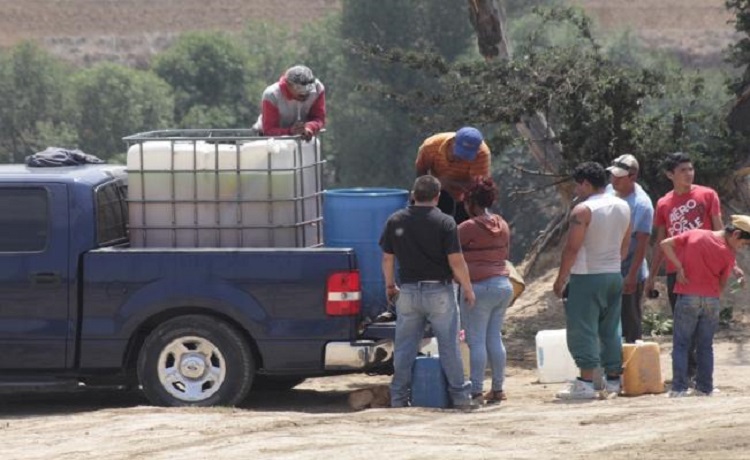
<point x="578" y="389"/>
<point x="613" y="386"/>
<point x="678" y="394"/>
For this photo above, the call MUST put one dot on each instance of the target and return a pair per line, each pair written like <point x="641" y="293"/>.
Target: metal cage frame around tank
<point x="236" y="137"/>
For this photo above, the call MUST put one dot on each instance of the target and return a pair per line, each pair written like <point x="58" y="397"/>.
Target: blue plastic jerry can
<point x="429" y="386"/>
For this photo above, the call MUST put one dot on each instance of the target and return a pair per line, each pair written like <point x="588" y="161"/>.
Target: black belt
<point x="432" y="282"/>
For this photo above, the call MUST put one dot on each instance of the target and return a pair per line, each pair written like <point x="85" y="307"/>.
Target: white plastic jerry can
<point x="554" y="362"/>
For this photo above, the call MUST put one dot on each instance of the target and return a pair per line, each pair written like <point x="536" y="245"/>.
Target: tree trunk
<point x="488" y="19"/>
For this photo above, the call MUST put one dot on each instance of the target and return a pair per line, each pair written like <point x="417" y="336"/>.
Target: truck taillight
<point x="343" y="294"/>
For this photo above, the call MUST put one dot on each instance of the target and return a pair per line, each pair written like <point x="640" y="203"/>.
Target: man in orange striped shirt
<point x="455" y="159"/>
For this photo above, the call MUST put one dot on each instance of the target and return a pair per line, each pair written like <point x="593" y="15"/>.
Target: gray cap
<point x="301" y="76"/>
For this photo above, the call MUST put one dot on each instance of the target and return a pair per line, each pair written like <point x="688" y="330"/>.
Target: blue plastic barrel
<point x="429" y="387"/>
<point x="354" y="218"/>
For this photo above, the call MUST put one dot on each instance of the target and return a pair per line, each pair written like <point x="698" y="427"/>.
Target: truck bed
<point x="277" y="296"/>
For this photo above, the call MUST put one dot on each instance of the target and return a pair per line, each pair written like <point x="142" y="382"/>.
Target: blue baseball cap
<point x="467" y="142"/>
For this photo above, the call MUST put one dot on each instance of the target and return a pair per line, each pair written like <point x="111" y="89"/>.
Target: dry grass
<point x="131" y="31"/>
<point x="697" y="30"/>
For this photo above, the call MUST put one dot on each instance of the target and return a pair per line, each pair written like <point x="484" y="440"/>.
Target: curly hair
<point x="592" y="172"/>
<point x="482" y="192"/>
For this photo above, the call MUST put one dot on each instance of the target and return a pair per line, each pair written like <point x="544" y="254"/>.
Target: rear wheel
<point x="195" y="360"/>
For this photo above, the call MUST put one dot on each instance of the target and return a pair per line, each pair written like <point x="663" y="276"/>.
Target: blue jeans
<point x="696" y="317"/>
<point x="483" y="324"/>
<point x="417" y="305"/>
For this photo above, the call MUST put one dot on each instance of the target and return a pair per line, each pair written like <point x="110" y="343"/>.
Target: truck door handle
<point x="45" y="278"/>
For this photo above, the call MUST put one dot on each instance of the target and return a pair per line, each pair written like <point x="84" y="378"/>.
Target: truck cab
<point x="49" y="217"/>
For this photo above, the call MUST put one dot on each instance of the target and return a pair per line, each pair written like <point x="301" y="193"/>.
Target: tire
<point x="195" y="360"/>
<point x="273" y="383"/>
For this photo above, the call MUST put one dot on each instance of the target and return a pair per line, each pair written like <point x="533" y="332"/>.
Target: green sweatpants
<point x="592" y="314"/>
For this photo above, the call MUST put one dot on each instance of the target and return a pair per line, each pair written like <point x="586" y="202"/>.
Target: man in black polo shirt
<point x="425" y="242"/>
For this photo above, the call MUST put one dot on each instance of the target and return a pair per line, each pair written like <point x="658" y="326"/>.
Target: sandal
<point x="495" y="397"/>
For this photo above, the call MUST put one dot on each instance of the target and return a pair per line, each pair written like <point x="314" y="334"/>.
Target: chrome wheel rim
<point x="191" y="368"/>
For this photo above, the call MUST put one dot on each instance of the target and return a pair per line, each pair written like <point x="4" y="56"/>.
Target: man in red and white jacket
<point x="294" y="105"/>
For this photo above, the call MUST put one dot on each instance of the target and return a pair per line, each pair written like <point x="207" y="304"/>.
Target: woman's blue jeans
<point x="483" y="328"/>
<point x="697" y="317"/>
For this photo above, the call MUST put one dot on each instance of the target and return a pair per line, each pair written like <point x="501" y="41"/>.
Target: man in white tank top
<point x="597" y="241"/>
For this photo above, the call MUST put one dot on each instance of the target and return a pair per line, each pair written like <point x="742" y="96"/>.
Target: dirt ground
<point x="314" y="421"/>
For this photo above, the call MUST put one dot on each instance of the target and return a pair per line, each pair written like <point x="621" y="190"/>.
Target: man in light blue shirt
<point x="623" y="176"/>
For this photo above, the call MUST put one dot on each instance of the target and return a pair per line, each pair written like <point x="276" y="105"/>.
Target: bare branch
<point x="529" y="191"/>
<point x="537" y="172"/>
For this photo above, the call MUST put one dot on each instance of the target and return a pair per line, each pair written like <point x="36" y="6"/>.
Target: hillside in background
<point x="133" y="30"/>
<point x="697" y="30"/>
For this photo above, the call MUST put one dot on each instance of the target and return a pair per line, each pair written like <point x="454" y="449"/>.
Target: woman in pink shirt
<point x="485" y="240"/>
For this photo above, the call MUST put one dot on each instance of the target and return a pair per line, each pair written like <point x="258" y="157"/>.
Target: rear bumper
<point x="357" y="355"/>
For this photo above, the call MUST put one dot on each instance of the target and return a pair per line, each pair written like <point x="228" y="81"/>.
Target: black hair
<point x="482" y="192"/>
<point x="426" y="188"/>
<point x="592" y="172"/>
<point x="730" y="229"/>
<point x="673" y="160"/>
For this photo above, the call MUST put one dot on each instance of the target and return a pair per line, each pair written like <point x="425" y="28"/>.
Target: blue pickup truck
<point x="191" y="327"/>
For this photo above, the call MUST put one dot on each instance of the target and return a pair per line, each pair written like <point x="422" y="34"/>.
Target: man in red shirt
<point x="703" y="260"/>
<point x="686" y="207"/>
<point x="294" y="105"/>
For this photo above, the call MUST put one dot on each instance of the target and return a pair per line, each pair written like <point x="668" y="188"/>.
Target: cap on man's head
<point x="623" y="166"/>
<point x="467" y="143"/>
<point x="302" y="77"/>
<point x="741" y="222"/>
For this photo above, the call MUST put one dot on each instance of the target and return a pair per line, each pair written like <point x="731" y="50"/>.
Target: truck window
<point x="24" y="219"/>
<point x="111" y="213"/>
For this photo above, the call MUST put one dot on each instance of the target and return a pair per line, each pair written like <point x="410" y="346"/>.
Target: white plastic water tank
<point x="257" y="193"/>
<point x="285" y="178"/>
<point x="554" y="362"/>
<point x="165" y="179"/>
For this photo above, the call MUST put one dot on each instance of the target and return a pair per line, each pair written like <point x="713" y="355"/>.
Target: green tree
<point x="35" y="111"/>
<point x="600" y="102"/>
<point x="376" y="140"/>
<point x="207" y="69"/>
<point x="114" y="101"/>
<point x="320" y="47"/>
<point x="271" y="49"/>
<point x="739" y="53"/>
<point x="518" y="8"/>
